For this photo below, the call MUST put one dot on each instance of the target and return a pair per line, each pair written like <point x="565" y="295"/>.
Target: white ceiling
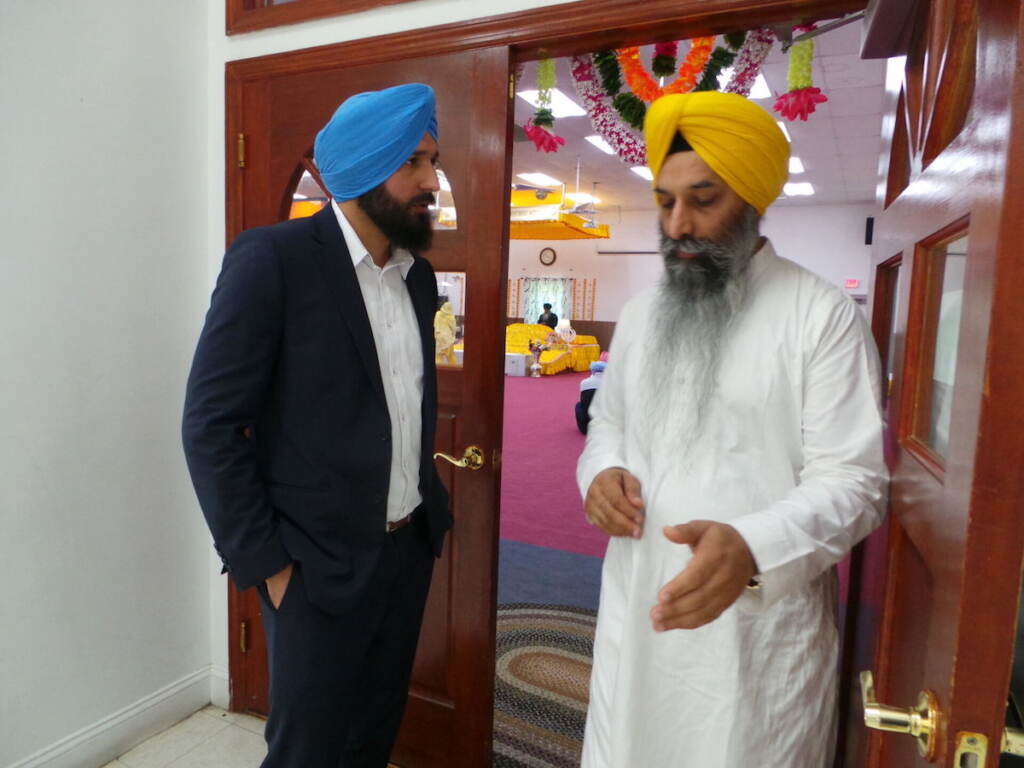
<point x="839" y="144"/>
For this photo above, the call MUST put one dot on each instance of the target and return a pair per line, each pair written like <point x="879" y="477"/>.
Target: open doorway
<point x="604" y="248"/>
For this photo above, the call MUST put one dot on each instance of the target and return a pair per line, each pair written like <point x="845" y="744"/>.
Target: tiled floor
<point x="211" y="738"/>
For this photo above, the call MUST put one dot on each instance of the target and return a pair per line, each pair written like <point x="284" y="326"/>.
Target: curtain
<point x="538" y="291"/>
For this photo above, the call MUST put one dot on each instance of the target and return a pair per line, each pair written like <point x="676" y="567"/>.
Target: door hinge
<point x="243" y="639"/>
<point x="241" y="150"/>
<point x="971" y="750"/>
<point x="511" y="86"/>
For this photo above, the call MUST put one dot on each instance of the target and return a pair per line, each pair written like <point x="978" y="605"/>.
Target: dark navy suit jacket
<point x="286" y="429"/>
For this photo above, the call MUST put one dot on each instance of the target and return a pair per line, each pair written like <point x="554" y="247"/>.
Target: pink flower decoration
<point x="670" y="49"/>
<point x="749" y="61"/>
<point x="542" y="137"/>
<point x="622" y="138"/>
<point x="799" y="104"/>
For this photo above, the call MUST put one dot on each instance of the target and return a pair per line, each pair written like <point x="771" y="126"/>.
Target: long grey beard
<point x="696" y="304"/>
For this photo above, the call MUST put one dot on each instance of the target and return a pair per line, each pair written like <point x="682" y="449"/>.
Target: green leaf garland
<point x="608" y="68"/>
<point x="720" y="59"/>
<point x="632" y="109"/>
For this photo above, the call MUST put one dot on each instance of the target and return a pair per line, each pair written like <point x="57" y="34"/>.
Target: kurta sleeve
<point x="841" y="493"/>
<point x="605" y="446"/>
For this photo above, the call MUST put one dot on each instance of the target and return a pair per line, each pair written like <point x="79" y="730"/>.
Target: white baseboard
<point x="99" y="743"/>
<point x="220" y="688"/>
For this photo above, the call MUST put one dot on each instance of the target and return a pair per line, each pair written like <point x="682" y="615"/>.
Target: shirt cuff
<point x="768" y="543"/>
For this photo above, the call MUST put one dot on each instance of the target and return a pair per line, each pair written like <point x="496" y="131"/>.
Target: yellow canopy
<point x="539" y="215"/>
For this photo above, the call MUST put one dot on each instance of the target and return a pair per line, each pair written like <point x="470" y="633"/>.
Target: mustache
<point x="424" y="199"/>
<point x="695" y="245"/>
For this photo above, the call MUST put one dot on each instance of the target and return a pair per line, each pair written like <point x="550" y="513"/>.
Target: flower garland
<point x="644" y="86"/>
<point x="749" y="61"/>
<point x="540" y="129"/>
<point x="627" y="104"/>
<point x="664" y="62"/>
<point x="626" y="143"/>
<point x="803" y="98"/>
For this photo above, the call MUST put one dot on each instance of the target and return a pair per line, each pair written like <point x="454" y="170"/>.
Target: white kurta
<point x="791" y="456"/>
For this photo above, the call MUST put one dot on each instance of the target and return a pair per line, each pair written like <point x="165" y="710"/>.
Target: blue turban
<point x="370" y="135"/>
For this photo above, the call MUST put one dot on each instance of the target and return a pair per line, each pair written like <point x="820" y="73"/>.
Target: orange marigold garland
<point x="690" y="70"/>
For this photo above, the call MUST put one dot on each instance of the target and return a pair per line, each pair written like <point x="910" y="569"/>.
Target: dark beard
<point x="718" y="262"/>
<point x="403" y="228"/>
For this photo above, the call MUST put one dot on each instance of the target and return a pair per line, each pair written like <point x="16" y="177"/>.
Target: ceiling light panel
<point x="796" y="165"/>
<point x="798" y="189"/>
<point x="540" y="180"/>
<point x="601" y="144"/>
<point x="561" y="105"/>
<point x="643" y="172"/>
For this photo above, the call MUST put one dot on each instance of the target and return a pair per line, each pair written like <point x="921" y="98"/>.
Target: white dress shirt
<point x="396" y="336"/>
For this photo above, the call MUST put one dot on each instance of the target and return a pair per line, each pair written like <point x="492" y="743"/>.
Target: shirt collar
<point x="400" y="258"/>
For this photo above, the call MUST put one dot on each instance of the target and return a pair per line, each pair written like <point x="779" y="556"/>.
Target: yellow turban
<point x="738" y="140"/>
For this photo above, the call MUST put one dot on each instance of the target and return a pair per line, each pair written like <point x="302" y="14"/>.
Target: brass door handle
<point x="473" y="458"/>
<point x="920" y="721"/>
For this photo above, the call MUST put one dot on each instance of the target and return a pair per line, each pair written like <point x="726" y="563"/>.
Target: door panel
<point x="957" y="500"/>
<point x="279" y="111"/>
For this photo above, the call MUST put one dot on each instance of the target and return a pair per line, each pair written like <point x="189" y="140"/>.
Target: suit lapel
<point x="422" y="303"/>
<point x="336" y="264"/>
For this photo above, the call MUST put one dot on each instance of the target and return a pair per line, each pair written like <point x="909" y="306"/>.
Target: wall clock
<point x="547" y="256"/>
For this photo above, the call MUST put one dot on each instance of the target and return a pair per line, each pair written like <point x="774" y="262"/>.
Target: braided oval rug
<point x="542" y="678"/>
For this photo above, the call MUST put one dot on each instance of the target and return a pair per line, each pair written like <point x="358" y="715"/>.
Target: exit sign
<point x="852" y="283"/>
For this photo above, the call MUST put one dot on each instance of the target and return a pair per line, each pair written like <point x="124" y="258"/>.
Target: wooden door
<point x="955" y="442"/>
<point x="274" y="113"/>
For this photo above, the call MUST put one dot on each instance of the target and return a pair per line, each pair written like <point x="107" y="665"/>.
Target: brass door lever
<point x="473" y="458"/>
<point x="920" y="721"/>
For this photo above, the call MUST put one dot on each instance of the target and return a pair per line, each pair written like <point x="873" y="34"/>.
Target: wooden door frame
<point x="561" y="30"/>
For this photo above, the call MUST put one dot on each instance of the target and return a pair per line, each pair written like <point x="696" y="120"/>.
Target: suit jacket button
<point x="385" y="436"/>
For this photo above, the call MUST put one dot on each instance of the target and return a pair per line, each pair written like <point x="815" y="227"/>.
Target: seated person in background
<point x="548" y="317"/>
<point x="587" y="389"/>
<point x="444" y="333"/>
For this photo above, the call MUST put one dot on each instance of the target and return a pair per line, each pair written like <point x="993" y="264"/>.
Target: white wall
<point x="103" y="211"/>
<point x="827" y="239"/>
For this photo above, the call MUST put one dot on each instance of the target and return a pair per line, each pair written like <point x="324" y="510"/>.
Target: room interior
<point x="148" y="622"/>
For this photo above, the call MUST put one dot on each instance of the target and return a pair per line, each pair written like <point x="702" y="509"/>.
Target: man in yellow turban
<point x="734" y="456"/>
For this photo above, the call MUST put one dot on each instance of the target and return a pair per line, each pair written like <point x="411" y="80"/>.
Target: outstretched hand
<point x="715" y="577"/>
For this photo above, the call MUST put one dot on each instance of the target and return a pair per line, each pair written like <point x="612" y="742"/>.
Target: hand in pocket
<point x="277" y="585"/>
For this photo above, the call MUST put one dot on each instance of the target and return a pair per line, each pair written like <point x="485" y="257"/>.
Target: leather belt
<point x="397" y="524"/>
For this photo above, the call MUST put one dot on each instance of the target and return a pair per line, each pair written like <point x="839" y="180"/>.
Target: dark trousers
<point x="338" y="684"/>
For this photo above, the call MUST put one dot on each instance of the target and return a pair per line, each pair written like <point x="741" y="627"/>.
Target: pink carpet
<point x="540" y="503"/>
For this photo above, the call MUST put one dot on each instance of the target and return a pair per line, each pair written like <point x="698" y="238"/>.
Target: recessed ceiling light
<point x="643" y="171"/>
<point x="601" y="144"/>
<point x="561" y="105"/>
<point x="785" y="131"/>
<point x="540" y="180"/>
<point x="442" y="181"/>
<point x="298" y="196"/>
<point x="796" y="165"/>
<point x="759" y="90"/>
<point x="798" y="188"/>
<point x="582" y="198"/>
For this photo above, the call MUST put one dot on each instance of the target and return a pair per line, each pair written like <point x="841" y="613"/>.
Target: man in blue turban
<point x="309" y="420"/>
